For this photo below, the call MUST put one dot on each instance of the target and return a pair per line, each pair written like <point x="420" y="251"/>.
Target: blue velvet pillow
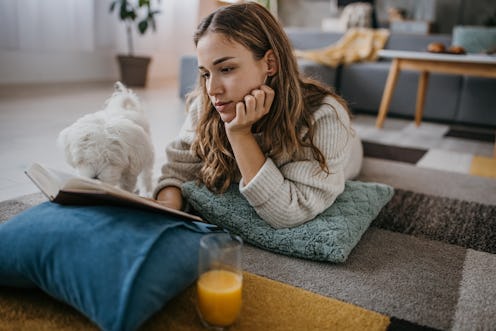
<point x="328" y="237"/>
<point x="115" y="265"/>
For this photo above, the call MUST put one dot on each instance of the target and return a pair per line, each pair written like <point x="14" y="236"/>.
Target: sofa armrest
<point x="188" y="73"/>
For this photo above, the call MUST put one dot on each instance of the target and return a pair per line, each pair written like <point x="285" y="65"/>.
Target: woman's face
<point x="230" y="71"/>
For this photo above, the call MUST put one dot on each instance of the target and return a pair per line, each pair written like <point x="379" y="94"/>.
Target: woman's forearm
<point x="249" y="157"/>
<point x="171" y="197"/>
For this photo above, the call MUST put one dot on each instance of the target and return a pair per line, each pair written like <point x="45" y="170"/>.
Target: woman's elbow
<point x="286" y="220"/>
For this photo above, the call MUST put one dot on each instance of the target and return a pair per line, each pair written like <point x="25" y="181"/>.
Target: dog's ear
<point x="119" y="87"/>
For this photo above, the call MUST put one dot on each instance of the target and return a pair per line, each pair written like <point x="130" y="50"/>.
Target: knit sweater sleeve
<point x="289" y="193"/>
<point x="181" y="165"/>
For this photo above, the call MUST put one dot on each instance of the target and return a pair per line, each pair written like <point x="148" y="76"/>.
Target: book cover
<point x="64" y="188"/>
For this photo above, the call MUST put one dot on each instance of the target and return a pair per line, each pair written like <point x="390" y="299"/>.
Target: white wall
<point x="77" y="40"/>
<point x="448" y="13"/>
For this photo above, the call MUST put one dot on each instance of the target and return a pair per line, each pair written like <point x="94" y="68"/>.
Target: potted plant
<point x="139" y="14"/>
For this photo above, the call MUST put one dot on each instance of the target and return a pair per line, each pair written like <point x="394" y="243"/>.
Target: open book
<point x="67" y="189"/>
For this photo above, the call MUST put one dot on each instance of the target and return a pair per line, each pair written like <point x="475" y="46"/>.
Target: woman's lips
<point x="221" y="106"/>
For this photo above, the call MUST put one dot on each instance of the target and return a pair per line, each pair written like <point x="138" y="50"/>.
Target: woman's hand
<point x="247" y="152"/>
<point x="254" y="106"/>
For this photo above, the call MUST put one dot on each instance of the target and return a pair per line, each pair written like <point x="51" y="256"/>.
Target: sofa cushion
<point x="324" y="74"/>
<point x="188" y="74"/>
<point x="477" y="105"/>
<point x="311" y="38"/>
<point x="412" y="42"/>
<point x="475" y="39"/>
<point x="362" y="85"/>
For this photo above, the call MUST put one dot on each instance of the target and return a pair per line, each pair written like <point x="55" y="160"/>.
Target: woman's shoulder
<point x="193" y="107"/>
<point x="331" y="107"/>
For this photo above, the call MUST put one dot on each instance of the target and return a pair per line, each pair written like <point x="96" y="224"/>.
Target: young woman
<point x="286" y="140"/>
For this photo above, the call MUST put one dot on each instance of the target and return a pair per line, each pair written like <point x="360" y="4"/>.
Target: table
<point x="425" y="63"/>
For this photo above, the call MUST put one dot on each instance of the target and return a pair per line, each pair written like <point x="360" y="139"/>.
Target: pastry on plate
<point x="456" y="50"/>
<point x="436" y="48"/>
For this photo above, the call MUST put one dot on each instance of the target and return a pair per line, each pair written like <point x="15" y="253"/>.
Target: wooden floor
<point x="32" y="116"/>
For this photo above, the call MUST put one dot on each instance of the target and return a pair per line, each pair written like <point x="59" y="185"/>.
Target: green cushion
<point x="329" y="237"/>
<point x="475" y="39"/>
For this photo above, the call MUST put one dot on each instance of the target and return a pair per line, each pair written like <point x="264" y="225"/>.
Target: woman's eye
<point x="204" y="75"/>
<point x="227" y="69"/>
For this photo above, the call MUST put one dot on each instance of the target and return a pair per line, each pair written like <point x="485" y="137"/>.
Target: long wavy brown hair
<point x="296" y="98"/>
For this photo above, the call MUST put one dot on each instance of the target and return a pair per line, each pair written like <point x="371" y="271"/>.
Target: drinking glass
<point x="220" y="280"/>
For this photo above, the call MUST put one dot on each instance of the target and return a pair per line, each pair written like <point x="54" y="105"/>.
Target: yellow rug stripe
<point x="267" y="305"/>
<point x="483" y="166"/>
<point x="271" y="305"/>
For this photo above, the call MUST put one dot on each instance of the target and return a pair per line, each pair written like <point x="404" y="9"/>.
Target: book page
<point x="48" y="182"/>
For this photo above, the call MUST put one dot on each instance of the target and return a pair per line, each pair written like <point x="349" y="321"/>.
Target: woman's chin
<point x="226" y="118"/>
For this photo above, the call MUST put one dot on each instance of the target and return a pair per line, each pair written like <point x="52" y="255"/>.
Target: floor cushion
<point x="328" y="237"/>
<point x="115" y="265"/>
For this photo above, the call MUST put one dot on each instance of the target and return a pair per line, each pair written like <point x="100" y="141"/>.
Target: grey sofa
<point x="450" y="98"/>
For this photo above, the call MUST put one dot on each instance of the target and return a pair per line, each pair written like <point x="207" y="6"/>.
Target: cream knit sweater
<point x="284" y="193"/>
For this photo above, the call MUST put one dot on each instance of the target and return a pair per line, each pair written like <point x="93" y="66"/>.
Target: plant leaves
<point x="129" y="10"/>
<point x="143" y="26"/>
<point x="112" y="6"/>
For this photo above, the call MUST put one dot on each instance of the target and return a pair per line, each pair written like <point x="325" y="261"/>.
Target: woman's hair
<point x="295" y="100"/>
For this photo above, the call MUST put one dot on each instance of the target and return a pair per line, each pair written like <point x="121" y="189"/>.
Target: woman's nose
<point x="214" y="86"/>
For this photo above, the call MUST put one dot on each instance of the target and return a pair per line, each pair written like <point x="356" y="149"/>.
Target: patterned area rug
<point x="428" y="258"/>
<point x="427" y="262"/>
<point x="463" y="223"/>
<point x="437" y="159"/>
<point x="462" y="149"/>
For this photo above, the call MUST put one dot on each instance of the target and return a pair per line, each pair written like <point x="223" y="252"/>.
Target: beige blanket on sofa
<point x="357" y="44"/>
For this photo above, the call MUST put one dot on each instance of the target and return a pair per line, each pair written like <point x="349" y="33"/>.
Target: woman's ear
<point x="271" y="61"/>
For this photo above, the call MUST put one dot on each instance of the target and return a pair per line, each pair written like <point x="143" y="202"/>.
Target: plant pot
<point x="133" y="69"/>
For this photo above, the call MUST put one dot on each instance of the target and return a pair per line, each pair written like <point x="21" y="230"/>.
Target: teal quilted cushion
<point x="329" y="237"/>
<point x="475" y="39"/>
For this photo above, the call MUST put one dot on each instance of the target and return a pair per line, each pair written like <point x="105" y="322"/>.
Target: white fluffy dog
<point x="113" y="144"/>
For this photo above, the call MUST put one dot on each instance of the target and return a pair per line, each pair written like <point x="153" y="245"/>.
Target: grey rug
<point x="428" y="258"/>
<point x="413" y="277"/>
<point x="10" y="208"/>
<point x="464" y="223"/>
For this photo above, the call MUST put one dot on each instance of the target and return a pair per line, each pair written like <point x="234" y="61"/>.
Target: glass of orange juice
<point x="220" y="280"/>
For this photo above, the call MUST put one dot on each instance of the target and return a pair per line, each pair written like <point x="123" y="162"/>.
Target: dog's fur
<point x="113" y="144"/>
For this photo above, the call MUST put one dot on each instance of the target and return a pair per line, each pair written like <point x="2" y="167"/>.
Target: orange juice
<point x="219" y="296"/>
